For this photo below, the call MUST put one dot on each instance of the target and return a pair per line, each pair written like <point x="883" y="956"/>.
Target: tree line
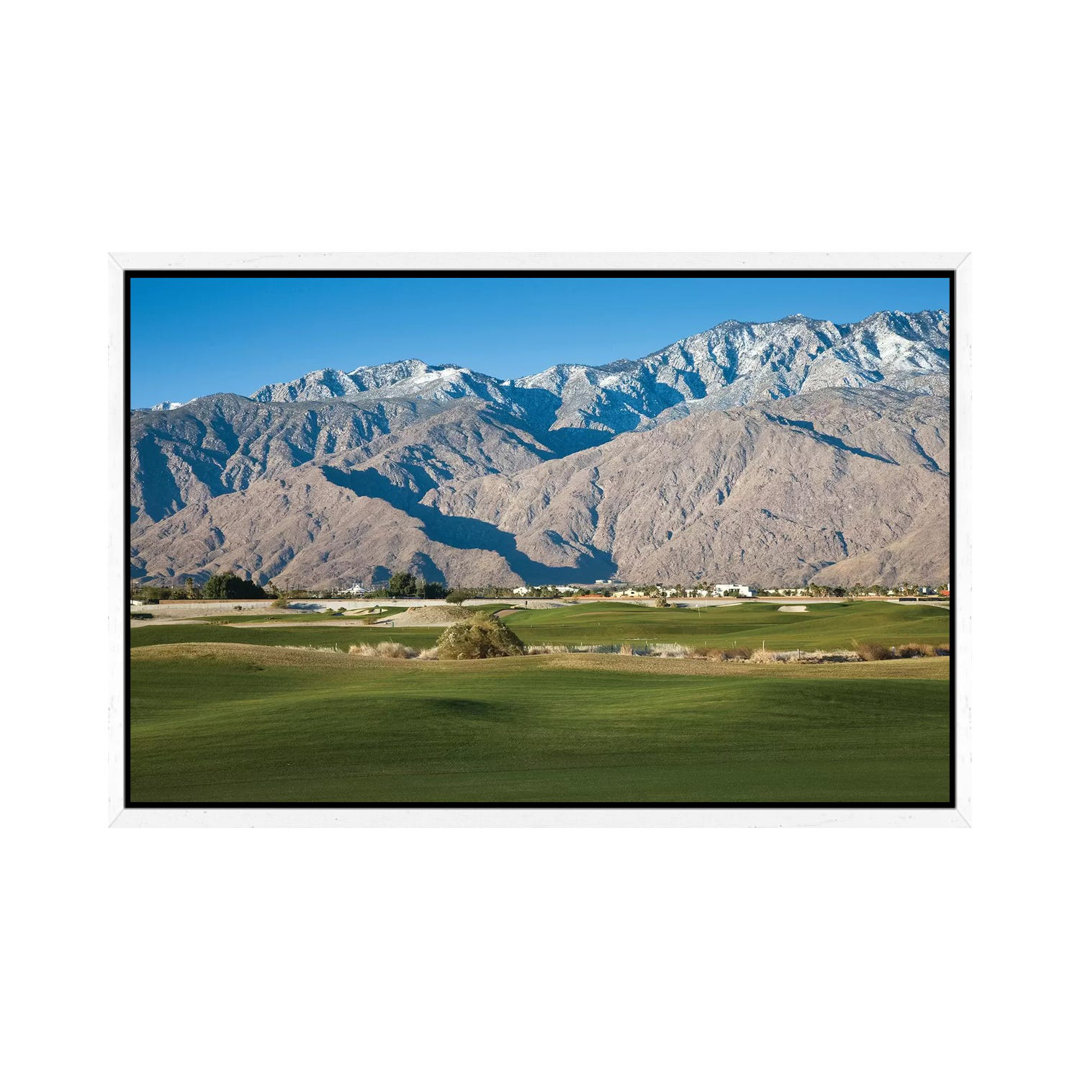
<point x="230" y="586"/>
<point x="227" y="586"/>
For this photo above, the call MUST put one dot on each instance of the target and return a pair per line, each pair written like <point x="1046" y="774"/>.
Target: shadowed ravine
<point x="466" y="532"/>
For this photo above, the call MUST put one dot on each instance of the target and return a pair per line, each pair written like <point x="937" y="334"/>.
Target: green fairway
<point x="821" y="626"/>
<point x="326" y="617"/>
<point x="274" y="725"/>
<point x="302" y="617"/>
<point x="312" y="635"/>
<point x="824" y="626"/>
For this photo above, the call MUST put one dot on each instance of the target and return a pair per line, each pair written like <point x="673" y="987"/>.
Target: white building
<point x="741" y="590"/>
<point x="524" y="590"/>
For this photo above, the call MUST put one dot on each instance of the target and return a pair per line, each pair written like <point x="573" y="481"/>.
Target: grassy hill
<point x="821" y="626"/>
<point x="276" y="725"/>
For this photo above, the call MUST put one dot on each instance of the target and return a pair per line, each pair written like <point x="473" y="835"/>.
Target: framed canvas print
<point x="540" y="539"/>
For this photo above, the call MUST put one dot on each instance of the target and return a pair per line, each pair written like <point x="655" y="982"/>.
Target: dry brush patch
<point x="936" y="667"/>
<point x="385" y="650"/>
<point x="805" y="656"/>
<point x="920" y="668"/>
<point x="877" y="651"/>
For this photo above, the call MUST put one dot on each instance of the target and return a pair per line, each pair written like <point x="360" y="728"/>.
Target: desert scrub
<point x="914" y="649"/>
<point x="668" y="650"/>
<point x="387" y="650"/>
<point x="871" y="650"/>
<point x="738" y="653"/>
<point x="821" y="656"/>
<point x="478" y="638"/>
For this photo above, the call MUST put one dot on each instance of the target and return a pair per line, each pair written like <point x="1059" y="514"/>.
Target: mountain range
<point x="771" y="453"/>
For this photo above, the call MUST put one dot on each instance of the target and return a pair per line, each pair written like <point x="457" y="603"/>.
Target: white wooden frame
<point x="121" y="816"/>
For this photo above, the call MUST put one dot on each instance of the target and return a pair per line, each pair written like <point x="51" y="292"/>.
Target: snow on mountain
<point x="734" y="363"/>
<point x="328" y="383"/>
<point x="773" y="451"/>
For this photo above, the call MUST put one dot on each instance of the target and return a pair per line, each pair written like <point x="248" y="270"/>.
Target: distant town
<point x="404" y="585"/>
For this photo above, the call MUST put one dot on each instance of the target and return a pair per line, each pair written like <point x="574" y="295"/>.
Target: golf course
<point x="274" y="709"/>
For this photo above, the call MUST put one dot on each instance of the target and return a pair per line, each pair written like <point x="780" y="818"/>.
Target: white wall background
<point x="564" y="126"/>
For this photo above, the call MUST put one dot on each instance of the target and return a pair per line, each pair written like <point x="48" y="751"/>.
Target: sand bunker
<point x="793" y="607"/>
<point x="436" y="615"/>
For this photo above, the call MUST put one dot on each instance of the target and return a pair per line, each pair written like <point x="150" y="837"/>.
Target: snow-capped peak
<point x="731" y="364"/>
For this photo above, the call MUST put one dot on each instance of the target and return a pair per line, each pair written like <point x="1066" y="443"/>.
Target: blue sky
<point x="196" y="336"/>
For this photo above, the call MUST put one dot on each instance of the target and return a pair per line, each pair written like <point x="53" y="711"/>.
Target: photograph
<point x="546" y="538"/>
<point x="518" y="515"/>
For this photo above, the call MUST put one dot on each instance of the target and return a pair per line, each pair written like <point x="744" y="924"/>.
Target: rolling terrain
<point x="220" y="724"/>
<point x="275" y="709"/>
<point x="827" y="626"/>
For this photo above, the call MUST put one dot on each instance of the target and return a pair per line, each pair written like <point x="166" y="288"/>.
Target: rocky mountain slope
<point x="776" y="453"/>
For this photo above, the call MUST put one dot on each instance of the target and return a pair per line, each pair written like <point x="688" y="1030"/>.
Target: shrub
<point x="428" y="654"/>
<point x="735" y="653"/>
<point x="478" y="638"/>
<point x="394" y="650"/>
<point x="669" y="650"/>
<point x="387" y="650"/>
<point x="873" y="651"/>
<point x="764" y="656"/>
<point x="280" y="602"/>
<point x="918" y="649"/>
<point x="456" y="596"/>
<point x="661" y="601"/>
<point x="820" y="656"/>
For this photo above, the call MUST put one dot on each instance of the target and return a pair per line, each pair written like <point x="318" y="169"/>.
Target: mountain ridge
<point x="457" y="472"/>
<point x="330" y="382"/>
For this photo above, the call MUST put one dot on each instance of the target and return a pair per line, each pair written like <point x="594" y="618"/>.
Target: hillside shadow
<point x="828" y="440"/>
<point x="466" y="532"/>
<point x="566" y="441"/>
